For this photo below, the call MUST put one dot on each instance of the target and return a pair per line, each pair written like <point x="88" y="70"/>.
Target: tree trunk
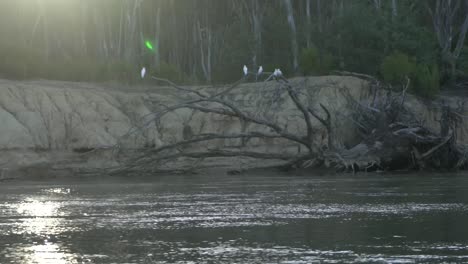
<point x="257" y="29"/>
<point x="462" y="34"/>
<point x="444" y="15"/>
<point x="36" y="25"/>
<point x="205" y="50"/>
<point x="319" y="16"/>
<point x="157" y="56"/>
<point x="394" y="8"/>
<point x="377" y="4"/>
<point x="46" y="36"/>
<point x="292" y="27"/>
<point x="308" y="24"/>
<point x="121" y="21"/>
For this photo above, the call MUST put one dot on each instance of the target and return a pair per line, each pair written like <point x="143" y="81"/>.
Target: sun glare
<point x="48" y="253"/>
<point x="42" y="218"/>
<point x="38" y="209"/>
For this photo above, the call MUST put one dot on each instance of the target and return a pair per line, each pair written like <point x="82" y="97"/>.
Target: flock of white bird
<point x="277" y="73"/>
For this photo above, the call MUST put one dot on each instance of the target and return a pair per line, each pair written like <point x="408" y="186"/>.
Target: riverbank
<point x="70" y="128"/>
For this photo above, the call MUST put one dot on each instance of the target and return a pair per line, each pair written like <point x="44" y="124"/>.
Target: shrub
<point x="396" y="67"/>
<point x="462" y="63"/>
<point x="426" y="80"/>
<point x="82" y="69"/>
<point x="119" y="70"/>
<point x="18" y="62"/>
<point x="21" y="63"/>
<point x="170" y="72"/>
<point x="312" y="62"/>
<point x="227" y="73"/>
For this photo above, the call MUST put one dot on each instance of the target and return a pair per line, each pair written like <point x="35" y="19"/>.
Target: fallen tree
<point x="391" y="136"/>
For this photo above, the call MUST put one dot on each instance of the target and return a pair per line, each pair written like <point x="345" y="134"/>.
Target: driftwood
<point x="391" y="137"/>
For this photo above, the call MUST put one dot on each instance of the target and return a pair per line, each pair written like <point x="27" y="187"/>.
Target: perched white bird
<point x="245" y="70"/>
<point x="143" y="72"/>
<point x="260" y="70"/>
<point x="277" y="73"/>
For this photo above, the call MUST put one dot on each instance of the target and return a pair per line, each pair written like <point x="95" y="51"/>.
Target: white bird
<point x="143" y="72"/>
<point x="260" y="70"/>
<point x="277" y="73"/>
<point x="245" y="70"/>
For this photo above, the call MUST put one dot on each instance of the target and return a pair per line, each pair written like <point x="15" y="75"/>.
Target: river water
<point x="370" y="218"/>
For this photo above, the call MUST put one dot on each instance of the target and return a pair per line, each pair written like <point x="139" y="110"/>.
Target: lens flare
<point x="149" y="45"/>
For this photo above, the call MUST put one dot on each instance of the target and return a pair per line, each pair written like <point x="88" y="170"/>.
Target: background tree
<point x="208" y="41"/>
<point x="450" y="20"/>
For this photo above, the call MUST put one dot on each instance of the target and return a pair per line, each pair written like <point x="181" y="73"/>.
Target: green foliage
<point x="89" y="70"/>
<point x="357" y="38"/>
<point x="277" y="50"/>
<point x="19" y="62"/>
<point x="463" y="63"/>
<point x="396" y="67"/>
<point x="426" y="80"/>
<point x="22" y="63"/>
<point x="314" y="63"/>
<point x="77" y="70"/>
<point x="235" y="52"/>
<point x="411" y="38"/>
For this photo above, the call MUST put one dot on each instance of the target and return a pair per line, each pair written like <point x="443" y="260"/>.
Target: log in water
<point x="237" y="218"/>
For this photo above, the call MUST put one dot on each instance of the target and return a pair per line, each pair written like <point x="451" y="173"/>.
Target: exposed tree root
<point x="393" y="139"/>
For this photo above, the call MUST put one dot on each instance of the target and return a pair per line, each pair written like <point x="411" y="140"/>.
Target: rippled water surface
<point x="237" y="219"/>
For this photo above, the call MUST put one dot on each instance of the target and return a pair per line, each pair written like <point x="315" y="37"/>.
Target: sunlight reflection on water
<point x="43" y="219"/>
<point x="48" y="253"/>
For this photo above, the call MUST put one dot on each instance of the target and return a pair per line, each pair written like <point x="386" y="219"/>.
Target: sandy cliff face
<point x="47" y="121"/>
<point x="52" y="116"/>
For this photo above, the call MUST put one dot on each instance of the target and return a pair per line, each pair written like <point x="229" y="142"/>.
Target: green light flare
<point x="149" y="45"/>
